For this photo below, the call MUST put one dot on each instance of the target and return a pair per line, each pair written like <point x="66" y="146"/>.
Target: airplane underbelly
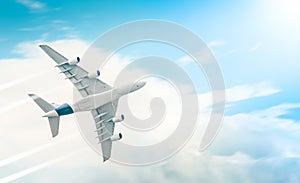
<point x="93" y="102"/>
<point x="84" y="104"/>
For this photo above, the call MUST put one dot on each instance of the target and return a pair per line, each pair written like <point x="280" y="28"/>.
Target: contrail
<point x="13" y="105"/>
<point x="32" y="151"/>
<point x="23" y="101"/>
<point x="18" y="81"/>
<point x="33" y="169"/>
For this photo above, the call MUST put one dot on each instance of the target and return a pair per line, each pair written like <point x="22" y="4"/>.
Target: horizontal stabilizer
<point x="45" y="106"/>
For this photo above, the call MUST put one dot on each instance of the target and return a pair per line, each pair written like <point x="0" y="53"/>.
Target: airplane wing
<point x="105" y="127"/>
<point x="77" y="75"/>
<point x="88" y="86"/>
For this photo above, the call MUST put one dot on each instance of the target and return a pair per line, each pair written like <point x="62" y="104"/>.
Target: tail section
<point x="54" y="125"/>
<point x="46" y="107"/>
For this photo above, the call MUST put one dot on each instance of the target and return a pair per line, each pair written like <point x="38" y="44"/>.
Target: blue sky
<point x="241" y="25"/>
<point x="253" y="41"/>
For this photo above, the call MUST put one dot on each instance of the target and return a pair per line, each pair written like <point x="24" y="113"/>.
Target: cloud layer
<point x="260" y="146"/>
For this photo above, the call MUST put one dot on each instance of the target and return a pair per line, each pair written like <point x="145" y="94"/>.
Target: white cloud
<point x="257" y="135"/>
<point x="239" y="93"/>
<point x="185" y="60"/>
<point x="203" y="56"/>
<point x="249" y="148"/>
<point x="216" y="43"/>
<point x="32" y="4"/>
<point x="12" y="83"/>
<point x="32" y="151"/>
<point x="30" y="28"/>
<point x="255" y="47"/>
<point x="38" y="167"/>
<point x="31" y="49"/>
<point x="277" y="111"/>
<point x="232" y="51"/>
<point x="247" y="91"/>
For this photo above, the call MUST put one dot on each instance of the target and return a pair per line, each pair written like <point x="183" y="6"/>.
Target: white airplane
<point x="98" y="97"/>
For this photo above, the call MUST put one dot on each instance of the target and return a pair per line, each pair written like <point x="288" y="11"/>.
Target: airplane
<point x="97" y="97"/>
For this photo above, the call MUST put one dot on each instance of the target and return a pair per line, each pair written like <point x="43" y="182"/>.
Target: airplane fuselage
<point x="94" y="101"/>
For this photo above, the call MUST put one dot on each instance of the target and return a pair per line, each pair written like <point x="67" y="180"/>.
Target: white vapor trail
<point x="24" y="101"/>
<point x="33" y="169"/>
<point x="32" y="151"/>
<point x="14" y="105"/>
<point x="18" y="81"/>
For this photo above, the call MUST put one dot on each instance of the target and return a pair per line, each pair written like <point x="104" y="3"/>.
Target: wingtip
<point x="105" y="159"/>
<point x="43" y="46"/>
<point x="33" y="96"/>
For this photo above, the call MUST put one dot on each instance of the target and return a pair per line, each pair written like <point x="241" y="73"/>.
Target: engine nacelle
<point x="117" y="119"/>
<point x="74" y="61"/>
<point x="94" y="74"/>
<point x="116" y="137"/>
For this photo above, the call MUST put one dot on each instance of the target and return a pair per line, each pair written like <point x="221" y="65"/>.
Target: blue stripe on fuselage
<point x="64" y="109"/>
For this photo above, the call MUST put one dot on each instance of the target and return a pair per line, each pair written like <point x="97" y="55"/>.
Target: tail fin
<point x="46" y="107"/>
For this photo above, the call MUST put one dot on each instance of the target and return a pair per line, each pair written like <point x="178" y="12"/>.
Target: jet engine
<point x="74" y="61"/>
<point x="118" y="118"/>
<point x="94" y="74"/>
<point x="116" y="137"/>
